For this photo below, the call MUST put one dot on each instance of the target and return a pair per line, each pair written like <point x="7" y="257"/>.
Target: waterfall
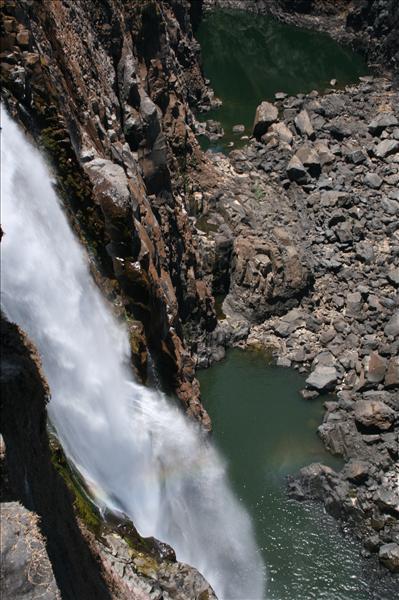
<point x="136" y="450"/>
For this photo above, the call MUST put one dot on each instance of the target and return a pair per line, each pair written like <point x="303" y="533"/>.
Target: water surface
<point x="267" y="431"/>
<point x="249" y="58"/>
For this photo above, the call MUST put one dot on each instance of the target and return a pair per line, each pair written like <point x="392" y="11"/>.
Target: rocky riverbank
<point x="303" y="232"/>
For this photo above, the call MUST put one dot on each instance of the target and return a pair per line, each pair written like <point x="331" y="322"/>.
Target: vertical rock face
<point x="106" y="88"/>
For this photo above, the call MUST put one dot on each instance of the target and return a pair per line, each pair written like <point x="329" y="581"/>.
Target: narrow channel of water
<point x="266" y="431"/>
<point x="249" y="58"/>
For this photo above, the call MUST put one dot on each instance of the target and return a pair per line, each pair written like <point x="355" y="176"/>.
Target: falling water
<point x="136" y="450"/>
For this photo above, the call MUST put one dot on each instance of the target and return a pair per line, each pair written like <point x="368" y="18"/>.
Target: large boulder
<point x="266" y="114"/>
<point x="374" y="414"/>
<point x="322" y="378"/>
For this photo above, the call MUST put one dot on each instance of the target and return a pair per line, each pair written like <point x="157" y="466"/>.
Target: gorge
<point x="134" y="259"/>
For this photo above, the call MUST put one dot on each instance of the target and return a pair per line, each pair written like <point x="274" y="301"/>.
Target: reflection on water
<point x="249" y="58"/>
<point x="267" y="431"/>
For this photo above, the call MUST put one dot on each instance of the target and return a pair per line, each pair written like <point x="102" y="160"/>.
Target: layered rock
<point x="106" y="89"/>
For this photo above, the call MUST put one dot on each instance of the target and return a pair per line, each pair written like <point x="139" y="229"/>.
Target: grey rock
<point x="386" y="148"/>
<point x="310" y="159"/>
<point x="322" y="378"/>
<point x="381" y="122"/>
<point x="265" y="115"/>
<point x="393" y="276"/>
<point x="365" y="252"/>
<point x="304" y="125"/>
<point x="27" y="573"/>
<point x="389" y="556"/>
<point x="372" y="180"/>
<point x="392" y="327"/>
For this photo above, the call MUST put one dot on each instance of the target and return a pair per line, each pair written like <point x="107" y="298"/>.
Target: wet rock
<point x="322" y="378"/>
<point x="374" y="414"/>
<point x="304" y="125"/>
<point x="389" y="556"/>
<point x="238" y="128"/>
<point x="265" y="115"/>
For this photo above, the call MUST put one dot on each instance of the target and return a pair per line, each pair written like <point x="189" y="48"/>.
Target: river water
<point x="266" y="431"/>
<point x="249" y="58"/>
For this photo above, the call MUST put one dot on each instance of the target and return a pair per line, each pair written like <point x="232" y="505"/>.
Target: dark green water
<point x="249" y="58"/>
<point x="266" y="431"/>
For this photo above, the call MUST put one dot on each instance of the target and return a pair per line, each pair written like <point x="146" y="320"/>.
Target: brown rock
<point x="374" y="414"/>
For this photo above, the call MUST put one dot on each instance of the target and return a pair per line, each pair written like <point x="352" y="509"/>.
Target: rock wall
<point x="106" y="88"/>
<point x="47" y="552"/>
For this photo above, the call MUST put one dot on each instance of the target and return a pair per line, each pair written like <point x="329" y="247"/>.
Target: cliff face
<point x="47" y="552"/>
<point x="106" y="88"/>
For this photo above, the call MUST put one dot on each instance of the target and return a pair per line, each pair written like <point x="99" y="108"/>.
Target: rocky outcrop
<point x="48" y="551"/>
<point x="106" y="89"/>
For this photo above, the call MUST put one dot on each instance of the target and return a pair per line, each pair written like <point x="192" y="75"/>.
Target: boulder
<point x="296" y="171"/>
<point x="238" y="128"/>
<point x="356" y="471"/>
<point x="393" y="276"/>
<point x="310" y="159"/>
<point x="387" y="500"/>
<point x="381" y="122"/>
<point x="354" y="303"/>
<point x="322" y="378"/>
<point x="372" y="180"/>
<point x="284" y="134"/>
<point x="386" y="148"/>
<point x="304" y="125"/>
<point x="374" y="414"/>
<point x="392" y="327"/>
<point x="389" y="556"/>
<point x="376" y="368"/>
<point x="265" y="115"/>
<point x="392" y="373"/>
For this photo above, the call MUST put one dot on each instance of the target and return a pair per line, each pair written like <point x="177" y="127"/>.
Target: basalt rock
<point x="107" y="90"/>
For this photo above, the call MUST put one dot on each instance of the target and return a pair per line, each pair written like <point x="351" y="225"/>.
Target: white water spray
<point x="137" y="451"/>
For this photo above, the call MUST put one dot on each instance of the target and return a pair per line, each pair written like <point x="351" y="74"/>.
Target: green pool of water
<point x="249" y="58"/>
<point x="266" y="431"/>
